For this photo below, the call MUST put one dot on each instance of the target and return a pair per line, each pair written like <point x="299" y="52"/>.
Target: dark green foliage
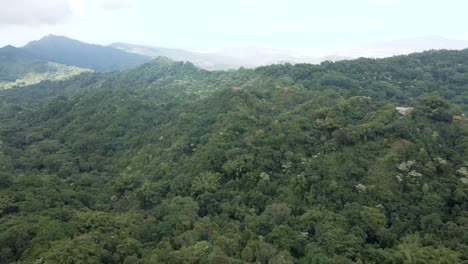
<point x="167" y="163"/>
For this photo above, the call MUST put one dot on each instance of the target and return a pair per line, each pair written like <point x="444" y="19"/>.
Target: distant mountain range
<point x="18" y="68"/>
<point x="250" y="57"/>
<point x="226" y="59"/>
<point x="57" y="57"/>
<point x="68" y="51"/>
<point x="389" y="48"/>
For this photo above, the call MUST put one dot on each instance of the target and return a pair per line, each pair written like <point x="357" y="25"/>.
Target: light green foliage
<point x="206" y="182"/>
<point x="412" y="252"/>
<point x="20" y="68"/>
<point x="7" y="205"/>
<point x="54" y="72"/>
<point x="77" y="251"/>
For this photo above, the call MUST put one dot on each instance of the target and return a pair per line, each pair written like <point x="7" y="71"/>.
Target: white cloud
<point x="253" y="1"/>
<point x="83" y="7"/>
<point x="77" y="7"/>
<point x="33" y="12"/>
<point x="114" y="4"/>
<point x="384" y="2"/>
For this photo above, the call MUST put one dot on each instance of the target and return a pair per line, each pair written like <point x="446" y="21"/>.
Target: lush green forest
<point x="168" y="163"/>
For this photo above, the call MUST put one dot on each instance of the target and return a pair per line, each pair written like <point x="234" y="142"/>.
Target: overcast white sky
<point x="211" y="24"/>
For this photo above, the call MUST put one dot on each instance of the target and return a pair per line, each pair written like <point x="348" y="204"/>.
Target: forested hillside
<point x="63" y="50"/>
<point x="168" y="163"/>
<point x="19" y="68"/>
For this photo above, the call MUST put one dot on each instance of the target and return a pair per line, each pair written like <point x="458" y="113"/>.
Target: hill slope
<point x="67" y="51"/>
<point x="19" y="68"/>
<point x="167" y="163"/>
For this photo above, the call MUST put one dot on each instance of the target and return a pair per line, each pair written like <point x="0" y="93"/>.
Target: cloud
<point x="33" y="12"/>
<point x="384" y="2"/>
<point x="114" y="4"/>
<point x="252" y="1"/>
<point x="82" y="7"/>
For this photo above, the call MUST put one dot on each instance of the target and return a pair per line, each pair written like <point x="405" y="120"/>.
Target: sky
<point x="206" y="25"/>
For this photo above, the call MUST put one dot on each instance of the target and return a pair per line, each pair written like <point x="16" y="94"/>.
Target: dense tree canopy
<point x="168" y="163"/>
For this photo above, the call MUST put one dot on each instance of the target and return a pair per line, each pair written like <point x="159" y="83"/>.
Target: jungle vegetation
<point x="169" y="163"/>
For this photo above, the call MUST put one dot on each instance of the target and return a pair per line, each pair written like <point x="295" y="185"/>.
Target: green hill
<point x="168" y="163"/>
<point x="19" y="68"/>
<point x="72" y="52"/>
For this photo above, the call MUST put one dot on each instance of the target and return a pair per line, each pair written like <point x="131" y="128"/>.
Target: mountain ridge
<point x="225" y="59"/>
<point x="19" y="68"/>
<point x="64" y="50"/>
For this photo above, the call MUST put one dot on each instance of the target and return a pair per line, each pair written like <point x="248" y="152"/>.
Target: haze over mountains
<point x="232" y="58"/>
<point x="226" y="59"/>
<point x="381" y="49"/>
<point x="58" y="57"/>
